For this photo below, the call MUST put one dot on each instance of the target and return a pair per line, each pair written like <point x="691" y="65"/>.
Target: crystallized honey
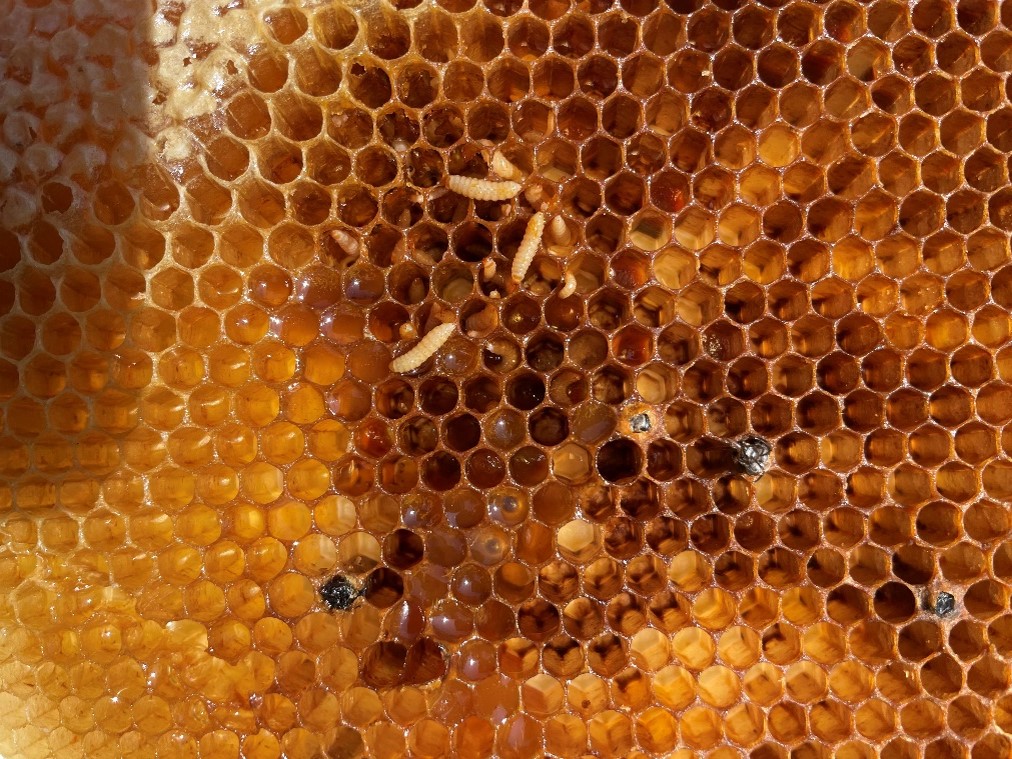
<point x="229" y="529"/>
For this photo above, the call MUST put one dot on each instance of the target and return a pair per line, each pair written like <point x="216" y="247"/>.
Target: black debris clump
<point x="339" y="593"/>
<point x="640" y="423"/>
<point x="752" y="455"/>
<point x="943" y="604"/>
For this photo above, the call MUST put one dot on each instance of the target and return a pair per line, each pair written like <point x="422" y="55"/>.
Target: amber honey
<point x="789" y="220"/>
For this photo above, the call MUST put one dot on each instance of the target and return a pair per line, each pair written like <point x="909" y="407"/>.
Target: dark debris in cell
<point x="752" y="455"/>
<point x="942" y="604"/>
<point x="339" y="593"/>
<point x="640" y="423"/>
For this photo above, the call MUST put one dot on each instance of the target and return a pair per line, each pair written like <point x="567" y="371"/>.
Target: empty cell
<point x="760" y="186"/>
<point x="703" y="381"/>
<point x="832" y="298"/>
<point x="709" y="30"/>
<point x="706" y="458"/>
<point x="437" y="396"/>
<point x="623" y="539"/>
<point x="768" y="338"/>
<point x="872" y="135"/>
<point x="713" y="187"/>
<point x="747" y="378"/>
<point x="617" y="35"/>
<point x="548" y="426"/>
<point x="624" y="194"/>
<point x="917" y="134"/>
<point x="735" y="149"/>
<point x="689" y="150"/>
<point x="733" y="67"/>
<point x="642" y="75"/>
<point x="620" y="460"/>
<point x="621" y="116"/>
<point x="711" y="109"/>
<point x="812" y="336"/>
<point x="976" y="17"/>
<point x="268" y="70"/>
<point x="980" y="88"/>
<point x="738" y="226"/>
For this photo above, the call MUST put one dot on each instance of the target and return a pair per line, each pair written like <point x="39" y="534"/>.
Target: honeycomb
<point x="228" y="529"/>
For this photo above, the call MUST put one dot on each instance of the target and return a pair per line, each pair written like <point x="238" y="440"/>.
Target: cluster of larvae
<point x="506" y="188"/>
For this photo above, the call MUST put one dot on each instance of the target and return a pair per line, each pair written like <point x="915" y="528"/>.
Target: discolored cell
<point x="504" y="429"/>
<point x="339" y="593"/>
<point x="441" y="471"/>
<point x="525" y="391"/>
<point x="528" y="465"/>
<point x="620" y="460"/>
<point x="461" y="432"/>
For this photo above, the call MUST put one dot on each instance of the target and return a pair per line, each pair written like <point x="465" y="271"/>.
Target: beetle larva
<point x="568" y="285"/>
<point x="483" y="189"/>
<point x="560" y="231"/>
<point x="487" y="268"/>
<point x="347" y="244"/>
<point x="528" y="246"/>
<point x="502" y="166"/>
<point x="425" y="348"/>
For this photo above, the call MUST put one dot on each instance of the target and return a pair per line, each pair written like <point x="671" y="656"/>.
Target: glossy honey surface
<point x="219" y="222"/>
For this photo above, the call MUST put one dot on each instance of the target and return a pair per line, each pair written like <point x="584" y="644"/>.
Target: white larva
<point x="483" y="189"/>
<point x="528" y="246"/>
<point x="536" y="196"/>
<point x="425" y="348"/>
<point x="559" y="231"/>
<point x="345" y="242"/>
<point x="487" y="268"/>
<point x="502" y="166"/>
<point x="568" y="285"/>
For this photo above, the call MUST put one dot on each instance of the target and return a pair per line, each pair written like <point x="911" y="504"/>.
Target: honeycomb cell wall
<point x="229" y="529"/>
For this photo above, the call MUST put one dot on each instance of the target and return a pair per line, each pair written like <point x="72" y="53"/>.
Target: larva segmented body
<point x="528" y="246"/>
<point x="536" y="196"/>
<point x="483" y="189"/>
<point x="426" y="347"/>
<point x="487" y="268"/>
<point x="347" y="243"/>
<point x="568" y="285"/>
<point x="560" y="231"/>
<point x="502" y="166"/>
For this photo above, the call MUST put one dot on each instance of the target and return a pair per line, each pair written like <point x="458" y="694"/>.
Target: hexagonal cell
<point x="703" y="382"/>
<point x="698" y="304"/>
<point x="608" y="309"/>
<point x="633" y="345"/>
<point x="713" y="187"/>
<point x="712" y="109"/>
<point x="689" y="150"/>
<point x="739" y="226"/>
<point x="611" y="384"/>
<point x="572" y="463"/>
<point x="624" y="193"/>
<point x="759" y="186"/>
